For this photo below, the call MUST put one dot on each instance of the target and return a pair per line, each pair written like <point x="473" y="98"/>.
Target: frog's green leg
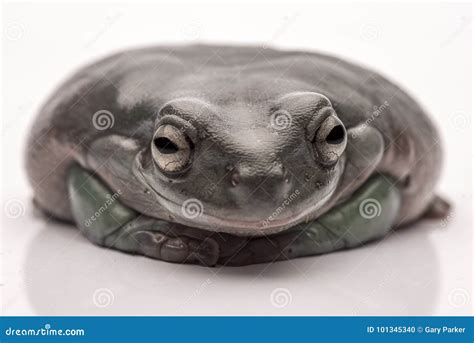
<point x="102" y="218"/>
<point x="369" y="214"/>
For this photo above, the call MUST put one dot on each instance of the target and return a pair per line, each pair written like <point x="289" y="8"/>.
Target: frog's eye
<point x="330" y="140"/>
<point x="171" y="149"/>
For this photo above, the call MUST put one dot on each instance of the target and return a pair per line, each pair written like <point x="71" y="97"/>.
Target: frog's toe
<point x="177" y="249"/>
<point x="204" y="252"/>
<point x="160" y="246"/>
<point x="437" y="209"/>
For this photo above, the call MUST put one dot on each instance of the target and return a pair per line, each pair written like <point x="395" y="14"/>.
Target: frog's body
<point x="258" y="147"/>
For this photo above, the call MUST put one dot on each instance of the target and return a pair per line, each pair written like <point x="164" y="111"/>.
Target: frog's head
<point x="245" y="167"/>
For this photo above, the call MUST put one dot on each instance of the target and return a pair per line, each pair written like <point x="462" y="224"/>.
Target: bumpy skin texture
<point x="243" y="163"/>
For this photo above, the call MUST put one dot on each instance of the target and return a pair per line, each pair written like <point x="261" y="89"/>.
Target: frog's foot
<point x="369" y="214"/>
<point x="437" y="209"/>
<point x="106" y="222"/>
<point x="179" y="249"/>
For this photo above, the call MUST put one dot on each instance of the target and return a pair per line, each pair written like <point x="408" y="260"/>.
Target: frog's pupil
<point x="336" y="135"/>
<point x="166" y="146"/>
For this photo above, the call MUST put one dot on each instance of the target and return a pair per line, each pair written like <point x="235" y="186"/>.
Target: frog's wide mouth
<point x="192" y="212"/>
<point x="208" y="221"/>
<point x="242" y="227"/>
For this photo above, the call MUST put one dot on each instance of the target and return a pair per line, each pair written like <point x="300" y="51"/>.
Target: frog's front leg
<point x="102" y="218"/>
<point x="369" y="214"/>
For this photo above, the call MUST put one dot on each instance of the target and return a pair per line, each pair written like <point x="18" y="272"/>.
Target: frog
<point x="221" y="155"/>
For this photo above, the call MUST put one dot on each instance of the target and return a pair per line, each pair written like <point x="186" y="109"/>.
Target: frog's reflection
<point x="66" y="275"/>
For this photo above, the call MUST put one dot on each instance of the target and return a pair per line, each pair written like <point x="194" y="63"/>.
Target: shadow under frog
<point x="64" y="274"/>
<point x="228" y="161"/>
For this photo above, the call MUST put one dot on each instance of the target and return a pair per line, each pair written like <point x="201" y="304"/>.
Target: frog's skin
<point x="274" y="154"/>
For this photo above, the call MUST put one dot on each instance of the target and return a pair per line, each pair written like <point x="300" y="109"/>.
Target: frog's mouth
<point x="193" y="214"/>
<point x="266" y="226"/>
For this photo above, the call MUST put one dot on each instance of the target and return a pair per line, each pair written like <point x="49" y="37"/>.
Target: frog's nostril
<point x="246" y="175"/>
<point x="235" y="179"/>
<point x="258" y="186"/>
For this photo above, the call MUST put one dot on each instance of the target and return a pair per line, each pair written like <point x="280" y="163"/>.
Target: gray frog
<point x="232" y="155"/>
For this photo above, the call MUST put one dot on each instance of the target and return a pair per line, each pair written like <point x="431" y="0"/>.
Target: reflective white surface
<point x="426" y="269"/>
<point x="423" y="270"/>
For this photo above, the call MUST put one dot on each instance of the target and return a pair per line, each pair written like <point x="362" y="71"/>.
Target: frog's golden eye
<point x="171" y="149"/>
<point x="330" y="140"/>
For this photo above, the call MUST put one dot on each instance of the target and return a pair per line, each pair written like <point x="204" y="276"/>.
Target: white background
<point x="49" y="269"/>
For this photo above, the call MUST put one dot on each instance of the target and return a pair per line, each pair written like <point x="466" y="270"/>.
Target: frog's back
<point x="62" y="132"/>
